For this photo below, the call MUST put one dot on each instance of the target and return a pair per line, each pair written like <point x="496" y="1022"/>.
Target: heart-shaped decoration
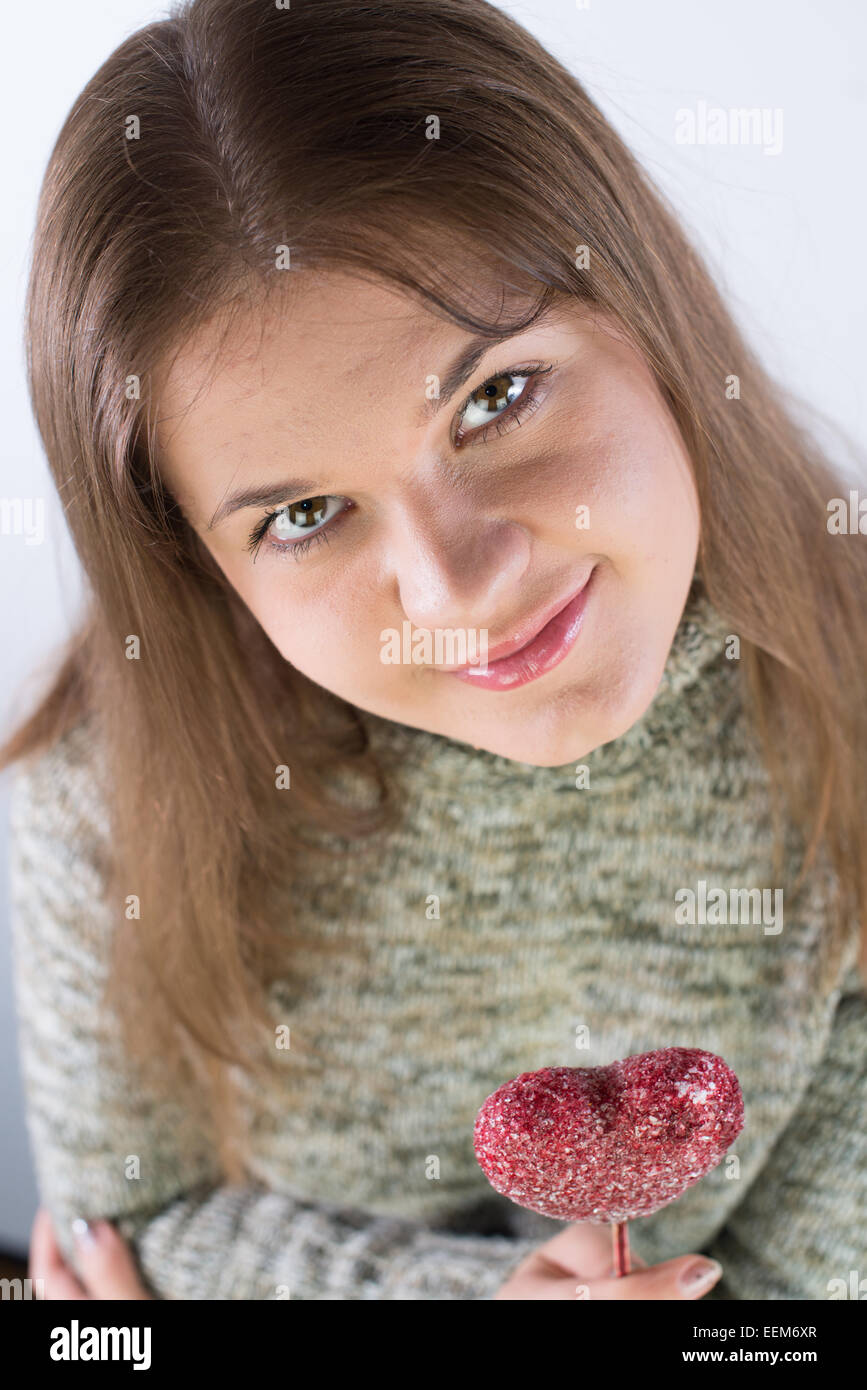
<point x="608" y="1144"/>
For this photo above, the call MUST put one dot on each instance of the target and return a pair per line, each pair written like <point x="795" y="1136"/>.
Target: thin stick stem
<point x="620" y="1234"/>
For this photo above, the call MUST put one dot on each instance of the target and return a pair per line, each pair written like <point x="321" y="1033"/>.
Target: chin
<point x="546" y="751"/>
<point x="575" y="721"/>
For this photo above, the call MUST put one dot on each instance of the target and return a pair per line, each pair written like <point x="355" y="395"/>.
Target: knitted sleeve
<point x="817" y="1175"/>
<point x="104" y="1148"/>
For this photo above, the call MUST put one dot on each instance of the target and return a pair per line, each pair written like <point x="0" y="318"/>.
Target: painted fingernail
<point x="701" y="1274"/>
<point x="84" y="1233"/>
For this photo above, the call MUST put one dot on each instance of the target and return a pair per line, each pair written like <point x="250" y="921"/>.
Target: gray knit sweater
<point x="558" y="925"/>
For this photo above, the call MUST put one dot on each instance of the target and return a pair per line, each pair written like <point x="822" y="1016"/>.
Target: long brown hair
<point x="437" y="146"/>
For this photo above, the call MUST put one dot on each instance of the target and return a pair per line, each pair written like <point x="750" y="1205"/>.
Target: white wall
<point x="783" y="231"/>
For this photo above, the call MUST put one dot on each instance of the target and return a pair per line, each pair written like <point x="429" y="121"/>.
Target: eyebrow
<point x="457" y="374"/>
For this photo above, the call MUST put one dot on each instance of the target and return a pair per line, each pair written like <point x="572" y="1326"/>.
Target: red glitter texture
<point x="611" y="1143"/>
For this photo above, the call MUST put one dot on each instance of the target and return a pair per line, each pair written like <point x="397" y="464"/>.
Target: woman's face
<point x="416" y="533"/>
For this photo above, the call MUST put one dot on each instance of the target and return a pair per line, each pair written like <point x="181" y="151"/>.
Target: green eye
<point x="493" y="398"/>
<point x="501" y="403"/>
<point x="290" y="523"/>
<point x="301" y="515"/>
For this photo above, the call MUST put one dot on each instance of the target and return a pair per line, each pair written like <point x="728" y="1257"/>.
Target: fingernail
<point x="701" y="1273"/>
<point x="84" y="1233"/>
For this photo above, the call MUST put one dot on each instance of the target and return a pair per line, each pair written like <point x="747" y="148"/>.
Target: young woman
<point x="356" y="334"/>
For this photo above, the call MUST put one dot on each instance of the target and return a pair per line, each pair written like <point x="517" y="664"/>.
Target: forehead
<point x="325" y="321"/>
<point x="302" y="365"/>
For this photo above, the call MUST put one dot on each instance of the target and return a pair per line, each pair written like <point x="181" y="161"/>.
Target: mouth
<point x="531" y="655"/>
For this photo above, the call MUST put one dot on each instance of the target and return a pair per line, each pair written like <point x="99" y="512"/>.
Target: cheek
<point x="633" y="476"/>
<point x="321" y="633"/>
<point x="312" y="634"/>
<point x="306" y="632"/>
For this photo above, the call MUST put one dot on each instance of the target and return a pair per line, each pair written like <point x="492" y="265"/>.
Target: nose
<point x="456" y="567"/>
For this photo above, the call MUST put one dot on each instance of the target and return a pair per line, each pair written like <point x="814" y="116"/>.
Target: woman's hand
<point x="107" y="1267"/>
<point x="579" y="1263"/>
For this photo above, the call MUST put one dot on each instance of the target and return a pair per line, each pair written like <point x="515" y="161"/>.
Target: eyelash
<point x="516" y="413"/>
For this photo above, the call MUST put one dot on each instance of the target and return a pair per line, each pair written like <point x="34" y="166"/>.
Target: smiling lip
<point x="526" y="659"/>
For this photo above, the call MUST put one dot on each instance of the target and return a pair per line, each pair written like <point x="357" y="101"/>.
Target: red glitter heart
<point x="608" y="1144"/>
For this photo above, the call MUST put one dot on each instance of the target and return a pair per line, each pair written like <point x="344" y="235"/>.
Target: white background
<point x="784" y="235"/>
